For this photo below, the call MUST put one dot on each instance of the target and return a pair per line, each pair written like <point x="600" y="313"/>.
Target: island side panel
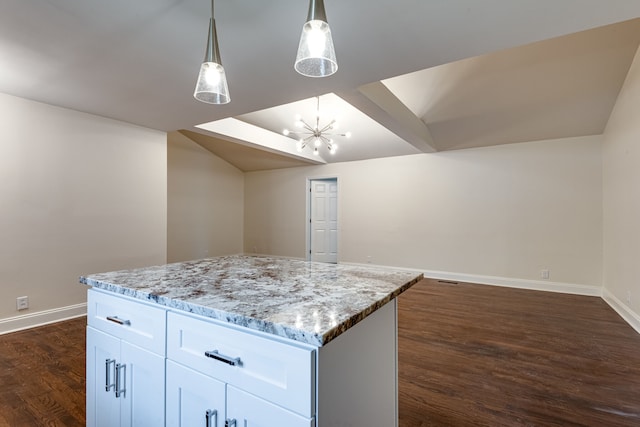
<point x="357" y="374"/>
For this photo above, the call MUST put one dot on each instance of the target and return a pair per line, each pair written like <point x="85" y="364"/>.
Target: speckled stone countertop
<point x="305" y="301"/>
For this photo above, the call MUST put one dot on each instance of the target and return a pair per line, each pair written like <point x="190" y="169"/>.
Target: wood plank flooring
<point x="470" y="355"/>
<point x="42" y="376"/>
<point x="475" y="355"/>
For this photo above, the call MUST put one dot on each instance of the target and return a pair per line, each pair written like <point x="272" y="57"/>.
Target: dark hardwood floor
<point x="470" y="355"/>
<point x="475" y="355"/>
<point x="42" y="376"/>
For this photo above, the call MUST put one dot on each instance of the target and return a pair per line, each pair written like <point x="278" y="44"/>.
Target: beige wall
<point x="506" y="211"/>
<point x="205" y="202"/>
<point x="621" y="158"/>
<point x="78" y="194"/>
<point x="82" y="194"/>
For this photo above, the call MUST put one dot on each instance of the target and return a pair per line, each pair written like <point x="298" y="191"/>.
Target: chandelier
<point x="316" y="135"/>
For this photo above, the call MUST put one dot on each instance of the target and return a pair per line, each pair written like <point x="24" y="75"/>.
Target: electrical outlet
<point x="368" y="259"/>
<point x="544" y="274"/>
<point x="22" y="303"/>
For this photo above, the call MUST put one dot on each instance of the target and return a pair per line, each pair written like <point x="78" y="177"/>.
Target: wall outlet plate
<point x="22" y="303"/>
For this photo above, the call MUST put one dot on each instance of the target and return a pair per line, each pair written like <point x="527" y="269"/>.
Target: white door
<point x="142" y="402"/>
<point x="103" y="351"/>
<point x="193" y="399"/>
<point x="324" y="220"/>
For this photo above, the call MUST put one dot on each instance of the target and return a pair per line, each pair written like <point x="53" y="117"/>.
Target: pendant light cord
<point x="212" y="9"/>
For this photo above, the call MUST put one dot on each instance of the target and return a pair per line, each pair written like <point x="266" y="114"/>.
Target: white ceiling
<point x="438" y="74"/>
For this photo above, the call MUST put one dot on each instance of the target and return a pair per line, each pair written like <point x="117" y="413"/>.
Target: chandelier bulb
<point x="286" y="132"/>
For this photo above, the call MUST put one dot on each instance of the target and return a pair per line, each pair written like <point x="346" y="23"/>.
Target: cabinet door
<point x="142" y="401"/>
<point x="190" y="395"/>
<point x="103" y="351"/>
<point x="251" y="411"/>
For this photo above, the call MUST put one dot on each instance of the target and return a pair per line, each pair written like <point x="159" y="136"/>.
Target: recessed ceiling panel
<point x="368" y="138"/>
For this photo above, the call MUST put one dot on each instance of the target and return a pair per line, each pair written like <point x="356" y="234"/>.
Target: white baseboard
<point x="31" y="320"/>
<point x="535" y="285"/>
<point x="622" y="309"/>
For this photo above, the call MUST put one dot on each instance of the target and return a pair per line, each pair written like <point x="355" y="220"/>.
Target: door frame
<point x="310" y="180"/>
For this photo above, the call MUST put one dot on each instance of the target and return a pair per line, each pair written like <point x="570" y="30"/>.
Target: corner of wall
<point x="622" y="309"/>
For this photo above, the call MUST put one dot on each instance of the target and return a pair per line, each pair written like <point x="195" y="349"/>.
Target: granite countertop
<point x="305" y="301"/>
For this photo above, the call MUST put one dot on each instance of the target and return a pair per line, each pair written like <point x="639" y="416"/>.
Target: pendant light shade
<point x="211" y="86"/>
<point x="316" y="55"/>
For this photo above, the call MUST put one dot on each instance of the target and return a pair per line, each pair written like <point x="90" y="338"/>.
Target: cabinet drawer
<point x="134" y="321"/>
<point x="281" y="373"/>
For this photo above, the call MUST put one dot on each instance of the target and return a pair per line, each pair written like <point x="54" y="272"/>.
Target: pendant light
<point x="316" y="56"/>
<point x="211" y="86"/>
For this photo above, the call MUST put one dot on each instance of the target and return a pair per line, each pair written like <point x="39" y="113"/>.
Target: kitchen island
<point x="244" y="340"/>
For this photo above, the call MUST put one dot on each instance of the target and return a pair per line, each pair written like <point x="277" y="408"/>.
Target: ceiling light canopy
<point x="317" y="135"/>
<point x="211" y="86"/>
<point x="316" y="55"/>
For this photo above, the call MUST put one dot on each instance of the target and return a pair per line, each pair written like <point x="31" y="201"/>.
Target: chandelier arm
<point x="307" y="126"/>
<point x="326" y="128"/>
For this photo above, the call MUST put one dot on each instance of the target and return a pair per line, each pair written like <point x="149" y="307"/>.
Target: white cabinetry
<point x="125" y="362"/>
<point x="267" y="383"/>
<point x="152" y="366"/>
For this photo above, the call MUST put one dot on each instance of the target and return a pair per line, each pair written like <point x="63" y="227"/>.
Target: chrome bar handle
<point x="230" y="423"/>
<point x="120" y="390"/>
<point x="233" y="361"/>
<point x="211" y="413"/>
<point x="119" y="321"/>
<point x="107" y="374"/>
